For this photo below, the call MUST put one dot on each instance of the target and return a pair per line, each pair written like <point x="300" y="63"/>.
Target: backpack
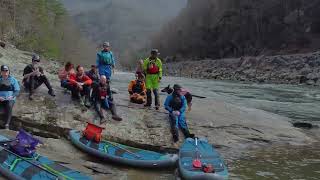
<point x="93" y="132"/>
<point x="25" y="144"/>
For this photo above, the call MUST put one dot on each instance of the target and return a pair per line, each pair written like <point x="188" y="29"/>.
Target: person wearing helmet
<point x="9" y="90"/>
<point x="105" y="61"/>
<point x="176" y="104"/>
<point x="137" y="89"/>
<point x="152" y="67"/>
<point x="34" y="77"/>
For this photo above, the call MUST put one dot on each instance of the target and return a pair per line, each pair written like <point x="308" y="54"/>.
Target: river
<point x="300" y="103"/>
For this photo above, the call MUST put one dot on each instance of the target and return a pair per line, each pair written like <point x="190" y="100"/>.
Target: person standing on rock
<point x="152" y="67"/>
<point x="105" y="61"/>
<point x="34" y="77"/>
<point x="80" y="86"/>
<point x="102" y="99"/>
<point x="9" y="90"/>
<point x="176" y="104"/>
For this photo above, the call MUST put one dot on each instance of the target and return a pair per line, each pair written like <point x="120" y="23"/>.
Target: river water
<point x="300" y="103"/>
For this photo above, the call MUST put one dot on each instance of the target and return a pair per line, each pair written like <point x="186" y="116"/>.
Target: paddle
<point x="196" y="163"/>
<point x="126" y="150"/>
<point x="44" y="169"/>
<point x="7" y="141"/>
<point x="201" y="97"/>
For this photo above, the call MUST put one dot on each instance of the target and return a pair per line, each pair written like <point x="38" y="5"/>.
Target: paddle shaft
<point x="58" y="177"/>
<point x="136" y="155"/>
<point x="7" y="141"/>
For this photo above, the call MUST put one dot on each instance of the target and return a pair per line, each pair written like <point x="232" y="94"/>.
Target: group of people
<point x="92" y="88"/>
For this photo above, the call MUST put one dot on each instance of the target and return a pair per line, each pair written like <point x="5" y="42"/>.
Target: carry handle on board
<point x="42" y="168"/>
<point x="196" y="163"/>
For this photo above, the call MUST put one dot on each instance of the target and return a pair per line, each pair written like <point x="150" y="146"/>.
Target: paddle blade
<point x="196" y="163"/>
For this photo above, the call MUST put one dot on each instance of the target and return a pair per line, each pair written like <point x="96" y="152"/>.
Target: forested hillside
<point x="42" y="26"/>
<point x="233" y="28"/>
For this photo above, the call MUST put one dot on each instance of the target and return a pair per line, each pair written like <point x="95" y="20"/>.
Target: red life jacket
<point x="153" y="68"/>
<point x="103" y="91"/>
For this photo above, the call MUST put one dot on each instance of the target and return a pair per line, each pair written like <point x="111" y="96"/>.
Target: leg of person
<point x="148" y="87"/>
<point x="156" y="99"/>
<point x="174" y="128"/>
<point x="86" y="91"/>
<point x="8" y="111"/>
<point x="114" y="112"/>
<point x="98" y="109"/>
<point x="149" y="98"/>
<point x="31" y="86"/>
<point x="189" y="100"/>
<point x="184" y="127"/>
<point x="74" y="92"/>
<point x="44" y="79"/>
<point x="155" y="87"/>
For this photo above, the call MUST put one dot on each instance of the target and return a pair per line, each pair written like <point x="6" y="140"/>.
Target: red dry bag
<point x="93" y="132"/>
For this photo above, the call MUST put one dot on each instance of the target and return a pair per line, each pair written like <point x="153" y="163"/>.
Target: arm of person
<point x="87" y="81"/>
<point x="145" y="64"/>
<point x="184" y="105"/>
<point x="27" y="72"/>
<point x="109" y="92"/>
<point x="159" y="64"/>
<point x="130" y="87"/>
<point x="113" y="60"/>
<point x="167" y="104"/>
<point x="16" y="88"/>
<point x="72" y="79"/>
<point x="144" y="89"/>
<point x="98" y="60"/>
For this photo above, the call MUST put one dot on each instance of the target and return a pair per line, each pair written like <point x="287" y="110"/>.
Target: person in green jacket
<point x="152" y="67"/>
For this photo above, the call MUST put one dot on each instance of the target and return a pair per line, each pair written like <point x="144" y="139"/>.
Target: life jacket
<point x="5" y="85"/>
<point x="137" y="87"/>
<point x="24" y="145"/>
<point x="176" y="102"/>
<point x="103" y="90"/>
<point x="105" y="58"/>
<point x="93" y="132"/>
<point x="153" y="68"/>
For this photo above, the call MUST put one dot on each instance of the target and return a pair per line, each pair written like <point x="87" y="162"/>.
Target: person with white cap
<point x="105" y="61"/>
<point x="9" y="90"/>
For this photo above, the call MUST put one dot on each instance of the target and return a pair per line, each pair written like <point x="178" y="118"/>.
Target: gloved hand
<point x="142" y="93"/>
<point x="130" y="92"/>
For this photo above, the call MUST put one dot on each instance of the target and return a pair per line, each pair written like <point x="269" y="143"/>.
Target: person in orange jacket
<point x="80" y="86"/>
<point x="137" y="89"/>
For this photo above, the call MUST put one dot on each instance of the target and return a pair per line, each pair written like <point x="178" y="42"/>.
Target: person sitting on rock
<point x="9" y="90"/>
<point x="34" y="77"/>
<point x="102" y="98"/>
<point x="64" y="75"/>
<point x="137" y="89"/>
<point x="186" y="93"/>
<point x="80" y="86"/>
<point x="93" y="74"/>
<point x="176" y="105"/>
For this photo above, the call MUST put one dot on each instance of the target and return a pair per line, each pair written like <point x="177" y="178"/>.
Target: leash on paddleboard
<point x="196" y="163"/>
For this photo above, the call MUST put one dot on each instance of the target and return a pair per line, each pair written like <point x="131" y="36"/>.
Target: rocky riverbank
<point x="286" y="69"/>
<point x="230" y="128"/>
